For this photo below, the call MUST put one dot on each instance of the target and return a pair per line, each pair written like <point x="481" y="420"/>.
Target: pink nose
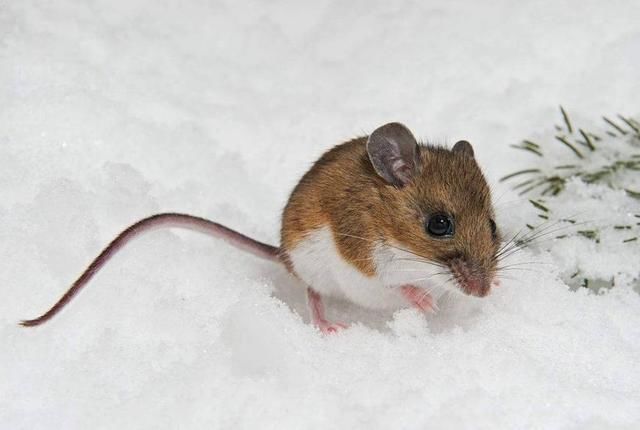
<point x="471" y="277"/>
<point x="476" y="287"/>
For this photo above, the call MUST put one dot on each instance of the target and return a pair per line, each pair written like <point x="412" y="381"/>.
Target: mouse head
<point x="437" y="205"/>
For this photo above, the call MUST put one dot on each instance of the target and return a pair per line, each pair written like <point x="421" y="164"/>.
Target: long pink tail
<point x="159" y="220"/>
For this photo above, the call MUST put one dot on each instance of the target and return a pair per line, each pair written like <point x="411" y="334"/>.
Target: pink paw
<point x="327" y="327"/>
<point x="419" y="298"/>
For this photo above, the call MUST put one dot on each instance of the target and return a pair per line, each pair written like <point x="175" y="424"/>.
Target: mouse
<point x="383" y="221"/>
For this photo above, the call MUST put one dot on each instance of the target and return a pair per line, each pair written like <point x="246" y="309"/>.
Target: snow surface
<point x="113" y="110"/>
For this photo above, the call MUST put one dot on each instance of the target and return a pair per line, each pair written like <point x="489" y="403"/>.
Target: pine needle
<point x="587" y="139"/>
<point x="631" y="124"/>
<point x="589" y="234"/>
<point x="530" y="146"/>
<point x="614" y="125"/>
<point x="564" y="140"/>
<point x="520" y="172"/>
<point x="548" y="180"/>
<point x="566" y="120"/>
<point x="631" y="193"/>
<point x="539" y="205"/>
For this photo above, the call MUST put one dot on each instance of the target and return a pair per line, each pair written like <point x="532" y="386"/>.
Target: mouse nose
<point x="470" y="277"/>
<point x="476" y="287"/>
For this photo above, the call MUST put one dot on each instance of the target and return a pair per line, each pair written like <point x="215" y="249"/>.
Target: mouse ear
<point x="463" y="147"/>
<point x="393" y="151"/>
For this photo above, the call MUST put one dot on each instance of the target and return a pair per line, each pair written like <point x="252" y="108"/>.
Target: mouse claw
<point x="419" y="298"/>
<point x="327" y="327"/>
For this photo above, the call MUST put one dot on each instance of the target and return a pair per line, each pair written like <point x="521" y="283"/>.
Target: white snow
<point x="113" y="110"/>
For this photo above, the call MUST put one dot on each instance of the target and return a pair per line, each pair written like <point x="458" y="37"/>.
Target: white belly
<point x="317" y="262"/>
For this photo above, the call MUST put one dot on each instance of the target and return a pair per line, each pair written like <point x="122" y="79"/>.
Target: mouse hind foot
<point x="316" y="307"/>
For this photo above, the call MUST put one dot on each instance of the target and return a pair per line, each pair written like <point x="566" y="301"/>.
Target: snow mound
<point x="114" y="110"/>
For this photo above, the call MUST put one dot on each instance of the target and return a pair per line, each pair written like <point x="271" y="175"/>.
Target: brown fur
<point x="343" y="191"/>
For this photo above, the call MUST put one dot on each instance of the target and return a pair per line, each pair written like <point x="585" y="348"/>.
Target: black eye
<point x="494" y="229"/>
<point x="440" y="225"/>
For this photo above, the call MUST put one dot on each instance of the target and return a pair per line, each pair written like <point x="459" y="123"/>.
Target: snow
<point x="114" y="110"/>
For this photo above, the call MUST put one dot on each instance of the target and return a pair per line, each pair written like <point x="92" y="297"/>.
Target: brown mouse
<point x="380" y="220"/>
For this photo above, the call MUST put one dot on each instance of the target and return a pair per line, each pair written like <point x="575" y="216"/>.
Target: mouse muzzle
<point x="471" y="277"/>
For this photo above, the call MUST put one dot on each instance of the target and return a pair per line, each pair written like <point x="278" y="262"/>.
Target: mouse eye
<point x="494" y="228"/>
<point x="440" y="225"/>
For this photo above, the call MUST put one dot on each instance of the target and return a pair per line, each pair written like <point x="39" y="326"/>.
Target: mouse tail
<point x="179" y="220"/>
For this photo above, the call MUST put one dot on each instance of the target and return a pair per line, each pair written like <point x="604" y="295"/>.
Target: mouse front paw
<point x="419" y="298"/>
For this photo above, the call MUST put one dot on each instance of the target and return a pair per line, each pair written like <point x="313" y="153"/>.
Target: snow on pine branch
<point x="584" y="186"/>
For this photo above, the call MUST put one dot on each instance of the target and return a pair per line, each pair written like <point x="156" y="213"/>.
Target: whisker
<point x="523" y="263"/>
<point x="390" y="245"/>
<point x="447" y="297"/>
<point x="415" y="260"/>
<point x="513" y="243"/>
<point x="534" y="238"/>
<point x="522" y="269"/>
<point x="363" y="259"/>
<point x="407" y="270"/>
<point x="361" y="238"/>
<point x="552" y="231"/>
<point x="424" y="278"/>
<point x="507" y="277"/>
<point x="528" y="235"/>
